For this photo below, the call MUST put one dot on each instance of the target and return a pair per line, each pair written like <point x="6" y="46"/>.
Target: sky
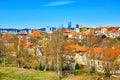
<point x="42" y="13"/>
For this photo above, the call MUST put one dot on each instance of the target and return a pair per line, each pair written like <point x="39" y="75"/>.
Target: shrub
<point x="41" y="67"/>
<point x="77" y="66"/>
<point x="92" y="69"/>
<point x="27" y="67"/>
<point x="118" y="38"/>
<point x="107" y="72"/>
<point x="67" y="67"/>
<point x="36" y="67"/>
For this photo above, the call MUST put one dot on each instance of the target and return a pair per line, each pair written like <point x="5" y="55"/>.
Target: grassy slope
<point x="12" y="73"/>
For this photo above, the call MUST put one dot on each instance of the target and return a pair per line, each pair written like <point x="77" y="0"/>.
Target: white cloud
<point x="58" y="3"/>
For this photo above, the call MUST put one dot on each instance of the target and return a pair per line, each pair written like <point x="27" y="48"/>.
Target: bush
<point x="107" y="72"/>
<point x="1" y="61"/>
<point x="76" y="71"/>
<point x="92" y="69"/>
<point x="41" y="67"/>
<point x="36" y="67"/>
<point x="77" y="66"/>
<point x="27" y="67"/>
<point x="67" y="67"/>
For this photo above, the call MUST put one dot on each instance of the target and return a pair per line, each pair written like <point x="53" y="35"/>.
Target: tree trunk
<point x="61" y="64"/>
<point x="46" y="61"/>
<point x="58" y="69"/>
<point x="45" y="67"/>
<point x="58" y="66"/>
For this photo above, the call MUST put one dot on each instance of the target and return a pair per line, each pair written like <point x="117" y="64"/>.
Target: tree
<point x="2" y="52"/>
<point x="57" y="43"/>
<point x="20" y="52"/>
<point x="46" y="51"/>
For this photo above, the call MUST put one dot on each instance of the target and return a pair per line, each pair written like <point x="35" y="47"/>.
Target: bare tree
<point x="57" y="43"/>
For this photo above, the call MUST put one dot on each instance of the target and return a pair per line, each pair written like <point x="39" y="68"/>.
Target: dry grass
<point x="86" y="77"/>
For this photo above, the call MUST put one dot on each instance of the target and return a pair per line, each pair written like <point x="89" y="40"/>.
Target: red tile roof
<point x="112" y="29"/>
<point x="104" y="53"/>
<point x="36" y="32"/>
<point x="70" y="32"/>
<point x="76" y="48"/>
<point x="88" y="34"/>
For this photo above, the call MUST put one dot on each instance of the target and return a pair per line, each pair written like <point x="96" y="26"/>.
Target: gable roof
<point x="70" y="32"/>
<point x="75" y="48"/>
<point x="108" y="54"/>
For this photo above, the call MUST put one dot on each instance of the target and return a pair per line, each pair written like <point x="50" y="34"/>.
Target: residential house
<point x="71" y="35"/>
<point x="113" y="32"/>
<point x="100" y="58"/>
<point x="79" y="53"/>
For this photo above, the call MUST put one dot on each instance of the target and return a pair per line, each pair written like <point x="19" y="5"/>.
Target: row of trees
<point x="52" y="51"/>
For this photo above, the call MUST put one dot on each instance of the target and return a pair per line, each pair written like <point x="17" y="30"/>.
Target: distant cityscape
<point x="113" y="30"/>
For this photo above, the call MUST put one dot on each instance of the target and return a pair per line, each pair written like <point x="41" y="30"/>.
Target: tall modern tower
<point x="69" y="25"/>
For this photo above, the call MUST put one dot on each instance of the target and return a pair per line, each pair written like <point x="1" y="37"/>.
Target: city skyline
<point x="42" y="13"/>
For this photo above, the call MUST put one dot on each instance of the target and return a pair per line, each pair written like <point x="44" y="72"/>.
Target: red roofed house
<point x="100" y="58"/>
<point x="113" y="32"/>
<point x="76" y="52"/>
<point x="80" y="53"/>
<point x="71" y="34"/>
<point x="81" y="58"/>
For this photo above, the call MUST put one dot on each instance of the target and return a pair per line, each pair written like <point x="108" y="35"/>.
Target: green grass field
<point x="12" y="73"/>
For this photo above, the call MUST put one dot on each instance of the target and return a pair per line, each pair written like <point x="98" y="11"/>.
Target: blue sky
<point x="42" y="13"/>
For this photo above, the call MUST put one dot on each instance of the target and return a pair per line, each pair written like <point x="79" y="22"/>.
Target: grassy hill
<point x="13" y="73"/>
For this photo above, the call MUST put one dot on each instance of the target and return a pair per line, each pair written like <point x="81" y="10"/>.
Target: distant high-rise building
<point x="69" y="25"/>
<point x="77" y="28"/>
<point x="77" y="25"/>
